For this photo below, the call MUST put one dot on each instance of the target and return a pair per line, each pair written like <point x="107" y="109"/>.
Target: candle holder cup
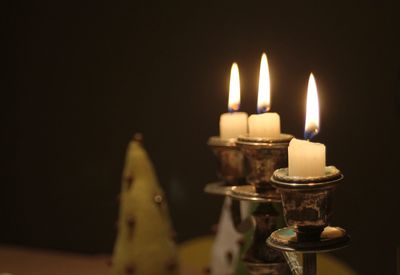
<point x="307" y="201"/>
<point x="231" y="167"/>
<point x="263" y="157"/>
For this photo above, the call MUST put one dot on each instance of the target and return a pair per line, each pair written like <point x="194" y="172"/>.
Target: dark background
<point x="88" y="76"/>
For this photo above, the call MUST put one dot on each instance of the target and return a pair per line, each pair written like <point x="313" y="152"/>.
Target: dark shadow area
<point x="88" y="76"/>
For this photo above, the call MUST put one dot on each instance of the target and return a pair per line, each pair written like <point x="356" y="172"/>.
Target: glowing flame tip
<point x="264" y="88"/>
<point x="312" y="112"/>
<point x="234" y="89"/>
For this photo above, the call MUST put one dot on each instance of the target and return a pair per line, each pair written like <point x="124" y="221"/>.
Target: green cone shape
<point x="144" y="244"/>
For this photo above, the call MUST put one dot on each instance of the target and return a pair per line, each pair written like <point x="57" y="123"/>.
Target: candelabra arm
<point x="293" y="262"/>
<point x="310" y="264"/>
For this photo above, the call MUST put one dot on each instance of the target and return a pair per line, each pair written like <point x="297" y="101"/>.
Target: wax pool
<point x="232" y="125"/>
<point x="267" y="125"/>
<point x="306" y="159"/>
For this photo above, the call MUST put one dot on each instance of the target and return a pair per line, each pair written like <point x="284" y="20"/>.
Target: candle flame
<point x="234" y="89"/>
<point x="264" y="88"/>
<point x="312" y="112"/>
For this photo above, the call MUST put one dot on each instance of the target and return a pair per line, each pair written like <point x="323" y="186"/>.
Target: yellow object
<point x="144" y="243"/>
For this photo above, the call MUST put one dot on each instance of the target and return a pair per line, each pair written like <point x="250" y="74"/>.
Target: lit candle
<point x="264" y="124"/>
<point x="307" y="159"/>
<point x="234" y="123"/>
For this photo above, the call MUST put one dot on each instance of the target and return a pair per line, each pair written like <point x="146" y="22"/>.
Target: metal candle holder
<point x="259" y="258"/>
<point x="307" y="207"/>
<point x="263" y="156"/>
<point x="231" y="168"/>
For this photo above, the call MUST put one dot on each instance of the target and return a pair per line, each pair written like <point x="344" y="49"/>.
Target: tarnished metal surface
<point x="308" y="207"/>
<point x="286" y="239"/>
<point x="304" y="208"/>
<point x="259" y="258"/>
<point x="293" y="261"/>
<point x="307" y="202"/>
<point x="263" y="157"/>
<point x="266" y="269"/>
<point x="231" y="167"/>
<point x="282" y="180"/>
<point x="249" y="193"/>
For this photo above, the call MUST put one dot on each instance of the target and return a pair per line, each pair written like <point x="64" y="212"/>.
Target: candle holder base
<point x="307" y="201"/>
<point x="331" y="238"/>
<point x="249" y="193"/>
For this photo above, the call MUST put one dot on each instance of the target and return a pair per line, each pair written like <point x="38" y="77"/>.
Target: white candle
<point x="265" y="124"/>
<point x="233" y="124"/>
<point x="307" y="159"/>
